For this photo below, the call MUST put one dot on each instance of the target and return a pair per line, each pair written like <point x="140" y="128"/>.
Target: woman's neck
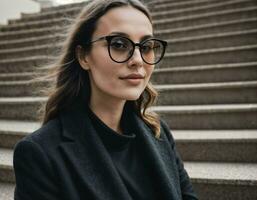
<point x="109" y="112"/>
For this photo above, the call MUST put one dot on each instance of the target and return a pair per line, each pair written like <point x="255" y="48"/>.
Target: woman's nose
<point x="136" y="59"/>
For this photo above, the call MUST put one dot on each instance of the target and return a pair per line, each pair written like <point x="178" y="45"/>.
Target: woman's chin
<point x="132" y="97"/>
<point x="129" y="95"/>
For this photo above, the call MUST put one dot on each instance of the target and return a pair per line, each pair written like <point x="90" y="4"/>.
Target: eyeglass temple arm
<point x="101" y="38"/>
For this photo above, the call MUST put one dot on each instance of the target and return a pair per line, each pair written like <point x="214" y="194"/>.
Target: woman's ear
<point x="81" y="56"/>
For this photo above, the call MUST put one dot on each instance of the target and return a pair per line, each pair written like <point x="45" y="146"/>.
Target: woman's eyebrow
<point x="126" y="35"/>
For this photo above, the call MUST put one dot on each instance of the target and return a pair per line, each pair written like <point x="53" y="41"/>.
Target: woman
<point x="97" y="140"/>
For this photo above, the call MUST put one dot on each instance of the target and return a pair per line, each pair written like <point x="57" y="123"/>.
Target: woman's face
<point x="108" y="79"/>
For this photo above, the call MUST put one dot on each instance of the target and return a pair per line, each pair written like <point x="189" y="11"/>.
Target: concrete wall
<point x="11" y="9"/>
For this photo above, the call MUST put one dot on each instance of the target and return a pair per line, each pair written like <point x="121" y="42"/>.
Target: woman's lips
<point x="133" y="76"/>
<point x="133" y="79"/>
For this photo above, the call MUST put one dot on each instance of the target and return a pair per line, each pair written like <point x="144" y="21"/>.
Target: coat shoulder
<point x="166" y="130"/>
<point x="47" y="135"/>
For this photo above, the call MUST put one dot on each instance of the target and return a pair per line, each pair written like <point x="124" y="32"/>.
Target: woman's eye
<point x="119" y="45"/>
<point x="150" y="46"/>
<point x="147" y="48"/>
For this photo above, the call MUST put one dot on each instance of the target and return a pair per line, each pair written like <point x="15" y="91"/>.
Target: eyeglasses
<point x="121" y="49"/>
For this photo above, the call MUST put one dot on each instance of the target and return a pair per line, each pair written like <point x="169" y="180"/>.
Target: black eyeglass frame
<point x="140" y="45"/>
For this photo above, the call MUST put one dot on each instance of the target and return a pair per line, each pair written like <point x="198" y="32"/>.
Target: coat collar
<point x="90" y="154"/>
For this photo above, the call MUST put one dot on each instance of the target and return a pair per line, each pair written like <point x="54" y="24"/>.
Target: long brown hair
<point x="70" y="79"/>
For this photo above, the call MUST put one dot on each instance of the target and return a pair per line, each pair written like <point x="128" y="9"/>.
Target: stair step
<point x="11" y="131"/>
<point x="182" y="74"/>
<point x="17" y="76"/>
<point x="209" y="179"/>
<point x="70" y="12"/>
<point x="208" y="29"/>
<point x="198" y="57"/>
<point x="7" y="191"/>
<point x="217" y="145"/>
<point x="189" y="20"/>
<point x="193" y="145"/>
<point x="6" y="165"/>
<point x="166" y="12"/>
<point x="196" y="30"/>
<point x="206" y="73"/>
<point x="223" y="181"/>
<point x="179" y="117"/>
<point x="218" y="40"/>
<point x="174" y="5"/>
<point x="22" y="88"/>
<point x="61" y="22"/>
<point x="170" y="12"/>
<point x="21" y="108"/>
<point x="178" y="94"/>
<point x="24" y="64"/>
<point x="47" y="47"/>
<point x="152" y="6"/>
<point x="46" y="50"/>
<point x="30" y="33"/>
<point x="32" y="41"/>
<point x="226" y="116"/>
<point x="211" y="17"/>
<point x="213" y="93"/>
<point x="211" y="56"/>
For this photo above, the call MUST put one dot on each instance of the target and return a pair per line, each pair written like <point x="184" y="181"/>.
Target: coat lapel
<point x="89" y="158"/>
<point x="158" y="154"/>
<point x="86" y="153"/>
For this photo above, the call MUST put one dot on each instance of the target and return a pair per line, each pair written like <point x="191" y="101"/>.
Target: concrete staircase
<point x="207" y="82"/>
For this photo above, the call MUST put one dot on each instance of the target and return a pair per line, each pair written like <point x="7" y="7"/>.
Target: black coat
<point x="65" y="159"/>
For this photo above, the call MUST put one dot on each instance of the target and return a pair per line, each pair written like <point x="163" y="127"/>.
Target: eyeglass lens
<point x="121" y="49"/>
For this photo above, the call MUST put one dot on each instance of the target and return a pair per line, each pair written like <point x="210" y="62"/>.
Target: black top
<point x="127" y="158"/>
